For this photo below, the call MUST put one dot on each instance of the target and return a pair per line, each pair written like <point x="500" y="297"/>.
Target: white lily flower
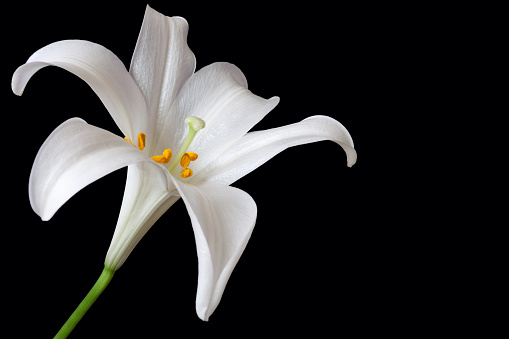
<point x="162" y="104"/>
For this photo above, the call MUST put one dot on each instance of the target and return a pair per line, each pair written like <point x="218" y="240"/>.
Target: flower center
<point x="183" y="158"/>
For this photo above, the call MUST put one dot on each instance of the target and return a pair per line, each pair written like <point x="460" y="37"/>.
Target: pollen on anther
<point x="164" y="158"/>
<point x="141" y="141"/>
<point x="186" y="173"/>
<point x="187" y="158"/>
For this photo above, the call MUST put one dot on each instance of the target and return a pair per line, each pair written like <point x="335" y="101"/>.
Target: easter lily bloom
<point x="185" y="134"/>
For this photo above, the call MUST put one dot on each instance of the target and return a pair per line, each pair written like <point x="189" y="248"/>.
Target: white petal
<point x="101" y="70"/>
<point x="256" y="148"/>
<point x="223" y="219"/>
<point x="73" y="156"/>
<point x="148" y="195"/>
<point x="161" y="63"/>
<point x="217" y="94"/>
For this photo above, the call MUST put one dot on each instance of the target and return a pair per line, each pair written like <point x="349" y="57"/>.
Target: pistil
<point x="195" y="124"/>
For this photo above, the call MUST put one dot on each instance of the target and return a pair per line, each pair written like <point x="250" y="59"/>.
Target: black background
<point x="317" y="260"/>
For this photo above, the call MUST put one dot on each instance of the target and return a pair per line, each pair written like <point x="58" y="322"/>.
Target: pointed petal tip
<point x="203" y="318"/>
<point x="43" y="216"/>
<point x="202" y="313"/>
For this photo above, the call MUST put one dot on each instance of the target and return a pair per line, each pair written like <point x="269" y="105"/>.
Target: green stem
<point x="83" y="307"/>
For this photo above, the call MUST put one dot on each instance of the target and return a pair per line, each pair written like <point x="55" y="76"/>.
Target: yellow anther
<point x="187" y="158"/>
<point x="141" y="141"/>
<point x="185" y="161"/>
<point x="163" y="159"/>
<point x="186" y="173"/>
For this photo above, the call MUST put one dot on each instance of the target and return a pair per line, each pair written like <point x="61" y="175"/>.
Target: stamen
<point x="195" y="124"/>
<point x="185" y="161"/>
<point x="186" y="173"/>
<point x="187" y="158"/>
<point x="163" y="159"/>
<point x="141" y="141"/>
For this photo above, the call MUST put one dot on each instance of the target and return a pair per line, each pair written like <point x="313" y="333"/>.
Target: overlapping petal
<point x="256" y="148"/>
<point x="217" y="94"/>
<point x="101" y="70"/>
<point x="148" y="194"/>
<point x="161" y="64"/>
<point x="223" y="219"/>
<point x="73" y="156"/>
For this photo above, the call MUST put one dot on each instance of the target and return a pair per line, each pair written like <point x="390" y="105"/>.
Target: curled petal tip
<point x="351" y="157"/>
